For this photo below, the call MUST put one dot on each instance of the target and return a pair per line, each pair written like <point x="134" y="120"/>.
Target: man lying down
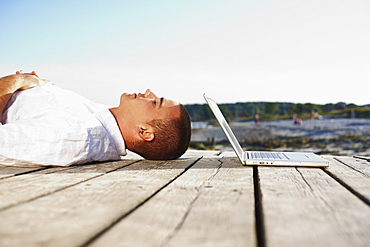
<point x="44" y="125"/>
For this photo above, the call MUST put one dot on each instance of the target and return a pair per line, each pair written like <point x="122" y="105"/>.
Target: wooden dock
<point x="202" y="199"/>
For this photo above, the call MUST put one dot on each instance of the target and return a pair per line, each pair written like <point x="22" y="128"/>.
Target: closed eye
<point x="155" y="103"/>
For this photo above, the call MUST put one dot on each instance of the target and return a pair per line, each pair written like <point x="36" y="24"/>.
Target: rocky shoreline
<point x="325" y="136"/>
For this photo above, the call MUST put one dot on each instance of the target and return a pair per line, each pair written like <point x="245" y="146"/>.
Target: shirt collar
<point x="110" y="124"/>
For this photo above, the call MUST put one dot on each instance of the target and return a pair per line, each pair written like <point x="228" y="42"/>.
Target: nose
<point x="147" y="93"/>
<point x="144" y="95"/>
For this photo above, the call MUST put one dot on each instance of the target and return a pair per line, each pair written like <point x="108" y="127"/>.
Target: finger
<point x="34" y="73"/>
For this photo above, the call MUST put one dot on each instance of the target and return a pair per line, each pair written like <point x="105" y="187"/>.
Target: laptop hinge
<point x="246" y="156"/>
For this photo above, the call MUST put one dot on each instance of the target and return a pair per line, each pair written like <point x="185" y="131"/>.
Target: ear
<point x="146" y="134"/>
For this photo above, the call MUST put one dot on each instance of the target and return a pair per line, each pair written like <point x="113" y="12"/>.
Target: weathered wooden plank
<point x="306" y="207"/>
<point x="223" y="214"/>
<point x="6" y="172"/>
<point x="360" y="165"/>
<point x="70" y="217"/>
<point x="199" y="153"/>
<point x="9" y="171"/>
<point x="20" y="189"/>
<point x="212" y="204"/>
<point x="366" y="158"/>
<point x="228" y="154"/>
<point x="131" y="156"/>
<point x="354" y="173"/>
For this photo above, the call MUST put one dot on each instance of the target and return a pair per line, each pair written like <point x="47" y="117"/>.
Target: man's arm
<point x="19" y="81"/>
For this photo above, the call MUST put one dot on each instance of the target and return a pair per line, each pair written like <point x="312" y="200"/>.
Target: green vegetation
<point x="276" y="110"/>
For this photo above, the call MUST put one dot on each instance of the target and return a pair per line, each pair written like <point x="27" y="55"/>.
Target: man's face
<point x="144" y="107"/>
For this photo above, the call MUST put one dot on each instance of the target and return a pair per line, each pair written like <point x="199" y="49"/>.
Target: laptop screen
<point x="225" y="127"/>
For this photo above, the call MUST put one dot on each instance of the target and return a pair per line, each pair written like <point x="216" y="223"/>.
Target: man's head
<point x="156" y="128"/>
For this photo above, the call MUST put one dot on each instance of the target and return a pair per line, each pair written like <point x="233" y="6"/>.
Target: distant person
<point x="256" y="119"/>
<point x="296" y="120"/>
<point x="42" y="124"/>
<point x="353" y="113"/>
<point x="312" y="117"/>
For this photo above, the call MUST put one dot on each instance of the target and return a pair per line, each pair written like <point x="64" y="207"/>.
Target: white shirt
<point x="47" y="125"/>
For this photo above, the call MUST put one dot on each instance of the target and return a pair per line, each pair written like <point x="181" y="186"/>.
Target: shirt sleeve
<point x="35" y="143"/>
<point x="39" y="143"/>
<point x="30" y="143"/>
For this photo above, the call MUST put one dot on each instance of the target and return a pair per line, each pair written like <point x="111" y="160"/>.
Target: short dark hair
<point x="171" y="138"/>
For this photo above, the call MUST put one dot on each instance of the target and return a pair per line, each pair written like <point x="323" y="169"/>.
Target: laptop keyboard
<point x="268" y="155"/>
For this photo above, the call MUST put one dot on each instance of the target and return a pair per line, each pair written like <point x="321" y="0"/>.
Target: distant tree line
<point x="275" y="110"/>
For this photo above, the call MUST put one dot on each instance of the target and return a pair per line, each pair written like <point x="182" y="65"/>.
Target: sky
<point x="315" y="51"/>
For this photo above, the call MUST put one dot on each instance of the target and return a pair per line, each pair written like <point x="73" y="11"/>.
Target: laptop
<point x="260" y="157"/>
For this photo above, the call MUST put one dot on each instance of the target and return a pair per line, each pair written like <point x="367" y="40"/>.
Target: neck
<point x="119" y="120"/>
<point x="125" y="131"/>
